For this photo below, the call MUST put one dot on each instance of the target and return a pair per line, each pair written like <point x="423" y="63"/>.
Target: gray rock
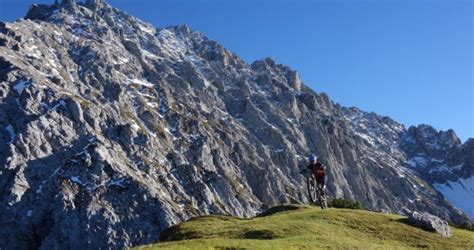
<point x="95" y="4"/>
<point x="39" y="12"/>
<point x="76" y="111"/>
<point x="430" y="223"/>
<point x="438" y="155"/>
<point x="69" y="3"/>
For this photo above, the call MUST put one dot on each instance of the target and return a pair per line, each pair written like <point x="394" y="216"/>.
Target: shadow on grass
<point x="260" y="235"/>
<point x="407" y="222"/>
<point x="279" y="209"/>
<point x="175" y="233"/>
<point x="402" y="220"/>
<point x="214" y="217"/>
<point x="230" y="248"/>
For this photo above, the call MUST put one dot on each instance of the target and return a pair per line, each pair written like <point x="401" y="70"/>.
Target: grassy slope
<point x="307" y="227"/>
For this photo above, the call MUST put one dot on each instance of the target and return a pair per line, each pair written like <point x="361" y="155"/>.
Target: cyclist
<point x="317" y="169"/>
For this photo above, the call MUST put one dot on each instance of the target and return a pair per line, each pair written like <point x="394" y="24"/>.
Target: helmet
<point x="312" y="158"/>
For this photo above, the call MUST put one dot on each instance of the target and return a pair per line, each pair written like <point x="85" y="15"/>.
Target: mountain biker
<point x="317" y="170"/>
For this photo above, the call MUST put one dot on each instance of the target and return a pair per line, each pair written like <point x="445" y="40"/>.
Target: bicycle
<point x="316" y="192"/>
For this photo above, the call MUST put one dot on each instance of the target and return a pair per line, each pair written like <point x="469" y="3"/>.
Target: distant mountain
<point x="113" y="130"/>
<point x="444" y="162"/>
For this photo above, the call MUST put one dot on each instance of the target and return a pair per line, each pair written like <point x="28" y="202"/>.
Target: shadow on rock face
<point x="70" y="204"/>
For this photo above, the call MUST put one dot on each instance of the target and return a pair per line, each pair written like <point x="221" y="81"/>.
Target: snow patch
<point x="152" y="104"/>
<point x="32" y="51"/>
<point x="79" y="32"/>
<point x="458" y="167"/>
<point x="140" y="82"/>
<point x="163" y="109"/>
<point x="147" y="29"/>
<point x="167" y="130"/>
<point x="121" y="61"/>
<point x="61" y="103"/>
<point x="366" y="138"/>
<point x="76" y="179"/>
<point x="460" y="193"/>
<point x="436" y="160"/>
<point x="20" y="86"/>
<point x="71" y="78"/>
<point x="195" y="136"/>
<point x="10" y="130"/>
<point x="418" y="161"/>
<point x="148" y="54"/>
<point x="119" y="182"/>
<point x="135" y="127"/>
<point x="442" y="168"/>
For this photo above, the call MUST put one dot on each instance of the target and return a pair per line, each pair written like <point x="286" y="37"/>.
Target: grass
<point x="297" y="227"/>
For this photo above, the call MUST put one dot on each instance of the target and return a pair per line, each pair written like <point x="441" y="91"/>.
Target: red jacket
<point x="318" y="169"/>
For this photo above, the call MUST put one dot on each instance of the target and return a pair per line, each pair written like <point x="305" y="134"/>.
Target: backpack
<point x="320" y="171"/>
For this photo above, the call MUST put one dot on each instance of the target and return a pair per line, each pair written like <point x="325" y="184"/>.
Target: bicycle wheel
<point x="312" y="189"/>
<point x="320" y="199"/>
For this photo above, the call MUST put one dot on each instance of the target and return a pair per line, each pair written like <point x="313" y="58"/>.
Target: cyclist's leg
<point x="320" y="185"/>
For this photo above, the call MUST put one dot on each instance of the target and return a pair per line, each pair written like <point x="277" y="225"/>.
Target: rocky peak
<point x="41" y="11"/>
<point x="267" y="66"/>
<point x="294" y="80"/>
<point x="183" y="29"/>
<point x="449" y="137"/>
<point x="263" y="64"/>
<point x="65" y="8"/>
<point x="72" y="5"/>
<point x="432" y="139"/>
<point x="95" y="4"/>
<point x="423" y="132"/>
<point x="69" y="4"/>
<point x="438" y="155"/>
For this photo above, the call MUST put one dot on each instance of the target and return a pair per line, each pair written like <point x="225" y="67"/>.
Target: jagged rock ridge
<point x="444" y="162"/>
<point x="113" y="130"/>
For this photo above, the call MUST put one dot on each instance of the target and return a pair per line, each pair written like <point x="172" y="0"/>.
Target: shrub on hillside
<point x="344" y="203"/>
<point x="468" y="226"/>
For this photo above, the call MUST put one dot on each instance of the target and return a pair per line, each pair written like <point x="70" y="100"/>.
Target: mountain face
<point x="444" y="162"/>
<point x="112" y="131"/>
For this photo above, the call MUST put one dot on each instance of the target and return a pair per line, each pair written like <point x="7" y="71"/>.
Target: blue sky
<point x="411" y="60"/>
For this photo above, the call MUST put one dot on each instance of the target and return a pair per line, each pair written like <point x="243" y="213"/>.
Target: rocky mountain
<point x="444" y="162"/>
<point x="112" y="130"/>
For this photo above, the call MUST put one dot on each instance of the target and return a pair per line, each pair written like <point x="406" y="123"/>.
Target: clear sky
<point x="411" y="60"/>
